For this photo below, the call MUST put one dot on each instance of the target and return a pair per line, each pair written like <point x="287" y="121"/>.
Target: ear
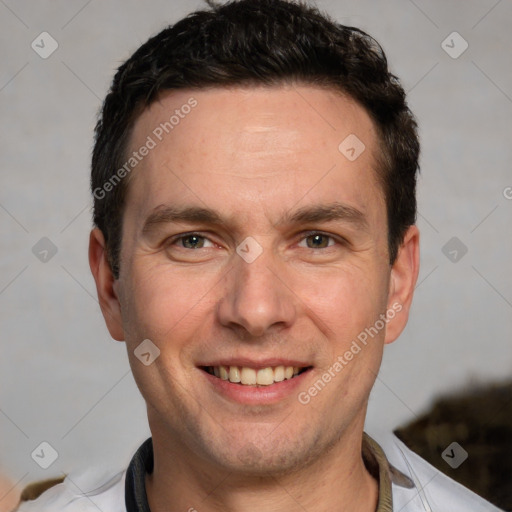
<point x="404" y="274"/>
<point x="105" y="284"/>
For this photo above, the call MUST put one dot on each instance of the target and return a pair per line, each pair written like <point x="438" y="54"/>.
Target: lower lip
<point x="256" y="395"/>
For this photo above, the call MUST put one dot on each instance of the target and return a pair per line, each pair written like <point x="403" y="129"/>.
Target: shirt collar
<point x="135" y="497"/>
<point x="386" y="475"/>
<point x="375" y="460"/>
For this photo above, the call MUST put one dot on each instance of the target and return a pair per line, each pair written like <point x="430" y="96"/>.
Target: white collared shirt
<point x="432" y="491"/>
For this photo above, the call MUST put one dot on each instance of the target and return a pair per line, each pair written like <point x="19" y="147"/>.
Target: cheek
<point x="161" y="301"/>
<point x="346" y="299"/>
<point x="166" y="308"/>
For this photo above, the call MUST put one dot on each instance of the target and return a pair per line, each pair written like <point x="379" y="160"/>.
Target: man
<point x="254" y="246"/>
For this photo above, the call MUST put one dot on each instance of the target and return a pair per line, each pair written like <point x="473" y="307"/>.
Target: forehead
<point x="245" y="146"/>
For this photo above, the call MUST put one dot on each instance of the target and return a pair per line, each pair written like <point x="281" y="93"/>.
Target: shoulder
<point x="432" y="490"/>
<point x="91" y="490"/>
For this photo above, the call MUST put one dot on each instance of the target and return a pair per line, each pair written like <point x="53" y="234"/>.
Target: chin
<point x="267" y="457"/>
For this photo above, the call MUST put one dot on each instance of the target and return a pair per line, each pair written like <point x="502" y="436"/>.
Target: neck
<point x="339" y="481"/>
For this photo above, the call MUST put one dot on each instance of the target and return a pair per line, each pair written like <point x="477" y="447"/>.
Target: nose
<point x="257" y="297"/>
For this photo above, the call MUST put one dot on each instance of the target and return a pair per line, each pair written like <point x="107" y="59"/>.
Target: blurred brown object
<point x="35" y="489"/>
<point x="480" y="420"/>
<point x="9" y="494"/>
<point x="30" y="492"/>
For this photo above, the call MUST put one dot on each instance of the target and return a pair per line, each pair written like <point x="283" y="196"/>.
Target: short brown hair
<point x="257" y="42"/>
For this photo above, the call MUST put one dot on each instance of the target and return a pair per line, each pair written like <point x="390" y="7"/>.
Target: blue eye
<point x="192" y="241"/>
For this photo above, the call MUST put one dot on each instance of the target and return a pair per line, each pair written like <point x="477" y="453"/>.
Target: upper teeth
<point x="252" y="377"/>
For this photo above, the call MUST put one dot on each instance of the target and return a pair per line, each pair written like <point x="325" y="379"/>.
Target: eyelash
<point x="304" y="236"/>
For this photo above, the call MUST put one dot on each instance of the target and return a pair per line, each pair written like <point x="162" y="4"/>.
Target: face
<point x="254" y="248"/>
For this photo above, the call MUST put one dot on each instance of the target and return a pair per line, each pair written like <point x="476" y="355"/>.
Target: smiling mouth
<point x="246" y="376"/>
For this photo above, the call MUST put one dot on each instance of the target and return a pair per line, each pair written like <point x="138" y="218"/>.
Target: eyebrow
<point x="325" y="213"/>
<point x="306" y="215"/>
<point x="188" y="214"/>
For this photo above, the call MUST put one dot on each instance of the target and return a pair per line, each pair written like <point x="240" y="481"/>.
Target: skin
<point x="255" y="155"/>
<point x="9" y="494"/>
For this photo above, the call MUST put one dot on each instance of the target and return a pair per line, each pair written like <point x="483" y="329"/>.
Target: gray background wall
<point x="64" y="381"/>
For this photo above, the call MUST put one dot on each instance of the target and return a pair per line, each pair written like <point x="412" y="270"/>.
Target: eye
<point x="192" y="241"/>
<point x="317" y="241"/>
